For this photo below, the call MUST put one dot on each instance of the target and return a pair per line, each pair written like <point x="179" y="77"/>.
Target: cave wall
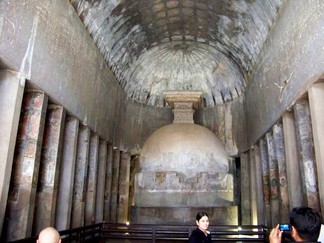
<point x="291" y="60"/>
<point x="45" y="43"/>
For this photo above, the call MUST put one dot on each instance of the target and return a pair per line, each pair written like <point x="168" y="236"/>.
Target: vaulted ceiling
<point x="154" y="46"/>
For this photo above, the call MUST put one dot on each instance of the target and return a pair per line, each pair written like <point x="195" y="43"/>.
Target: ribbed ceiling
<point x="154" y="46"/>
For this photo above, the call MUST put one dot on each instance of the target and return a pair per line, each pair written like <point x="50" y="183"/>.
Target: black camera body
<point x="284" y="227"/>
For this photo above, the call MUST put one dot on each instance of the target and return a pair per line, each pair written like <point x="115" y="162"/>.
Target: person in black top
<point x="305" y="226"/>
<point x="201" y="234"/>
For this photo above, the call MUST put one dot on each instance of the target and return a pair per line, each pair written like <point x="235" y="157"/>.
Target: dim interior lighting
<point x="127" y="223"/>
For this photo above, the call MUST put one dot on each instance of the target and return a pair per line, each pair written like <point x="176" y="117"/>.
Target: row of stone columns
<point x="60" y="172"/>
<point x="285" y="167"/>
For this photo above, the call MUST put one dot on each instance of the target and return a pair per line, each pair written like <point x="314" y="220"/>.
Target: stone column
<point x="274" y="181"/>
<point x="11" y="96"/>
<point x="49" y="169"/>
<point x="279" y="148"/>
<point x="253" y="189"/>
<point x="24" y="177"/>
<point x="245" y="190"/>
<point x="236" y="171"/>
<point x="293" y="169"/>
<point x="114" y="186"/>
<point x="307" y="154"/>
<point x="123" y="195"/>
<point x="66" y="175"/>
<point x="90" y="204"/>
<point x="107" y="206"/>
<point x="80" y="179"/>
<point x="101" y="181"/>
<point x="133" y="169"/>
<point x="316" y="101"/>
<point x="265" y="180"/>
<point x="259" y="187"/>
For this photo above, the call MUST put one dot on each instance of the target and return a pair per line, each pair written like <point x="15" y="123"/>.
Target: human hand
<point x="275" y="235"/>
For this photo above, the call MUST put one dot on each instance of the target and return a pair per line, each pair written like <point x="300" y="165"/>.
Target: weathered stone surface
<point x="316" y="101"/>
<point x="292" y="59"/>
<point x="67" y="170"/>
<point x="184" y="215"/>
<point x="265" y="179"/>
<point x="80" y="178"/>
<point x="292" y="163"/>
<point x="46" y="197"/>
<point x="279" y="148"/>
<point x="25" y="171"/>
<point x="173" y="45"/>
<point x="11" y="96"/>
<point x="101" y="180"/>
<point x="170" y="189"/>
<point x="123" y="188"/>
<point x="228" y="122"/>
<point x="108" y="185"/>
<point x="53" y="51"/>
<point x="253" y="187"/>
<point x="274" y="180"/>
<point x="91" y="188"/>
<point x="244" y="187"/>
<point x="184" y="104"/>
<point x="306" y="154"/>
<point x="185" y="148"/>
<point x="259" y="187"/>
<point x="183" y="164"/>
<point x="114" y="185"/>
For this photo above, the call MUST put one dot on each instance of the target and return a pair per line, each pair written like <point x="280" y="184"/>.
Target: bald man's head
<point x="49" y="235"/>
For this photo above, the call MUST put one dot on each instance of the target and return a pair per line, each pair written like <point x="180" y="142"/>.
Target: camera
<point x="284" y="227"/>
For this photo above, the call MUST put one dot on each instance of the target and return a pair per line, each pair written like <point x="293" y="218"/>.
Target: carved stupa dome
<point x="184" y="147"/>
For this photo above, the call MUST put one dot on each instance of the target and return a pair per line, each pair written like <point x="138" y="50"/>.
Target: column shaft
<point x="123" y="195"/>
<point x="245" y="190"/>
<point x="259" y="187"/>
<point x="90" y="204"/>
<point x="265" y="180"/>
<point x="279" y="149"/>
<point x="49" y="169"/>
<point x="11" y="96"/>
<point x="66" y="175"/>
<point x="80" y="178"/>
<point x="107" y="206"/>
<point x="133" y="168"/>
<point x="293" y="169"/>
<point x="114" y="186"/>
<point x="307" y="153"/>
<point x="253" y="189"/>
<point x="316" y="101"/>
<point x="101" y="181"/>
<point x="24" y="177"/>
<point x="274" y="181"/>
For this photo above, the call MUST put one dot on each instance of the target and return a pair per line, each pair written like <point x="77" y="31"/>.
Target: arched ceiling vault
<point x="154" y="46"/>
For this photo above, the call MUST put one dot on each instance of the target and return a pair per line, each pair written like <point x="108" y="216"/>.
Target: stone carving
<point x="183" y="165"/>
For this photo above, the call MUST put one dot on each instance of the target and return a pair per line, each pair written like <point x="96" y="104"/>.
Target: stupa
<point x="183" y="168"/>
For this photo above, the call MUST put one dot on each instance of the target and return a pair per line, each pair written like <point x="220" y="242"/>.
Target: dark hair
<point x="200" y="215"/>
<point x="307" y="222"/>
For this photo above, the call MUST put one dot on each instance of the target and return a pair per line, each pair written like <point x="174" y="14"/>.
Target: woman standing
<point x="201" y="234"/>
